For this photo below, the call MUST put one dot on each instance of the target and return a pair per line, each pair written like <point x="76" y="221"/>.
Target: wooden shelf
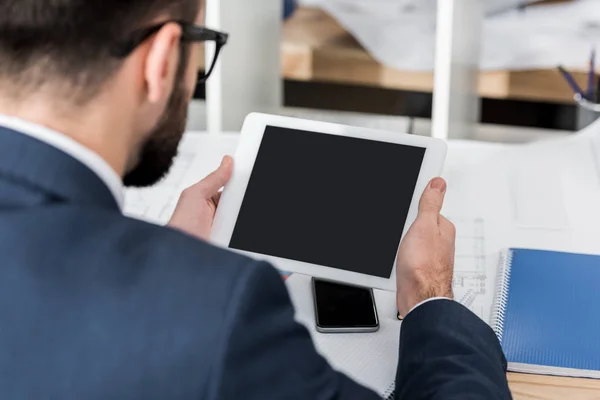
<point x="315" y="48"/>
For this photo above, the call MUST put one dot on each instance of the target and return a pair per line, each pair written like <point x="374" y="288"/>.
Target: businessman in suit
<point x="94" y="305"/>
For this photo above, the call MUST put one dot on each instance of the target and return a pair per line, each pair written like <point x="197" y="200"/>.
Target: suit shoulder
<point x="138" y="251"/>
<point x="140" y="244"/>
<point x="166" y="243"/>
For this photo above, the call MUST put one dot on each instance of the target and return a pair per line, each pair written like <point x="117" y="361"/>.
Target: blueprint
<point x="199" y="155"/>
<point x="474" y="274"/>
<point x="156" y="204"/>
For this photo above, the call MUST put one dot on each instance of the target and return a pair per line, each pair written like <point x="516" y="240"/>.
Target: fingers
<point x="447" y="227"/>
<point x="217" y="198"/>
<point x="432" y="200"/>
<point x="210" y="186"/>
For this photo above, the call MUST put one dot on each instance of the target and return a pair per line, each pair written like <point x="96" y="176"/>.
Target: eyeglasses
<point x="190" y="33"/>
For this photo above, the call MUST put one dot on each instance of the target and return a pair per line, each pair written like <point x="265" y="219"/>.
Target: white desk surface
<point x="479" y="174"/>
<point x="544" y="195"/>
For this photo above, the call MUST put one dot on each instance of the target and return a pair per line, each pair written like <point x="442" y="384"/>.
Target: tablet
<point x="325" y="200"/>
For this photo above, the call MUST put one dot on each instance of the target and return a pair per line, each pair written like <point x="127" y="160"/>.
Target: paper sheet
<point x="473" y="274"/>
<point x="540" y="37"/>
<point x="156" y="204"/>
<point x="592" y="133"/>
<point x="371" y="359"/>
<point x="543" y="195"/>
<point x="198" y="156"/>
<point x="538" y="198"/>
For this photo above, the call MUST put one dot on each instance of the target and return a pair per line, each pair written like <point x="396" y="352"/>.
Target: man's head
<point x="60" y="57"/>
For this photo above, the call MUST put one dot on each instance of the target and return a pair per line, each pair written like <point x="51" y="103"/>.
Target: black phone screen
<point x="342" y="306"/>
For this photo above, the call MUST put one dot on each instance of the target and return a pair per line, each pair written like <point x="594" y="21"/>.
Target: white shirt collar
<point x="69" y="146"/>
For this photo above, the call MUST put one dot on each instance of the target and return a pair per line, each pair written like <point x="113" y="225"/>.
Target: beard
<point x="158" y="152"/>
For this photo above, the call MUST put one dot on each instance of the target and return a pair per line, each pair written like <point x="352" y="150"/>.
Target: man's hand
<point x="425" y="264"/>
<point x="197" y="205"/>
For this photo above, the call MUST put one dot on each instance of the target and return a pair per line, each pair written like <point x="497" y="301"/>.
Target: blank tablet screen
<point x="328" y="200"/>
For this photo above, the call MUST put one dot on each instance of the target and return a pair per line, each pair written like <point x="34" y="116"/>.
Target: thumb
<point x="432" y="199"/>
<point x="210" y="185"/>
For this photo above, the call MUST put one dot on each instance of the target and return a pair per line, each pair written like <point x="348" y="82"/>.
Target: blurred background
<point x="381" y="64"/>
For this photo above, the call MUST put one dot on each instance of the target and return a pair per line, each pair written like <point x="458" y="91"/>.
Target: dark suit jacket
<point x="94" y="305"/>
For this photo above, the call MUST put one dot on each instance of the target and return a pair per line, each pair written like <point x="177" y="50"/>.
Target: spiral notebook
<point x="546" y="312"/>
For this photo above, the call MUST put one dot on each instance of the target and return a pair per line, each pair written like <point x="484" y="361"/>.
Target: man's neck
<point x="92" y="127"/>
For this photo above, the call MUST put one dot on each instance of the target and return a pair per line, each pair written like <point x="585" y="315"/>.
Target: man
<point x="94" y="305"/>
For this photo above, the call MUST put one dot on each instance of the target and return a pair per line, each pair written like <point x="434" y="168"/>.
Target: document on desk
<point x="538" y="195"/>
<point x="199" y="154"/>
<point x="533" y="195"/>
<point x="554" y="185"/>
<point x="156" y="204"/>
<point x="592" y="133"/>
<point x="474" y="269"/>
<point x="370" y="359"/>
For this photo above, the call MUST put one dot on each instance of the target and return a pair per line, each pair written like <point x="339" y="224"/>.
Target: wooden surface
<point x="534" y="387"/>
<point x="316" y="48"/>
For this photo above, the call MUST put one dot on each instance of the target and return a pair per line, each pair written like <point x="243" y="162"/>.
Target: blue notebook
<point x="546" y="312"/>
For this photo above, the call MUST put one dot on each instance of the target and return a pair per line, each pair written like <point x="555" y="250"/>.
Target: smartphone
<point x="341" y="308"/>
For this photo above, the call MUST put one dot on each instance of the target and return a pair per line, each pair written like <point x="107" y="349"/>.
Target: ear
<point x="162" y="61"/>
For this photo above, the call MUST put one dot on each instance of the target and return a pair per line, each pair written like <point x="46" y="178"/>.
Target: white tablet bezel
<point x="247" y="150"/>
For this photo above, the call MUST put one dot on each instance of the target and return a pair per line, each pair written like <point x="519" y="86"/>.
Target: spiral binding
<point x="390" y="393"/>
<point x="468" y="299"/>
<point x="501" y="296"/>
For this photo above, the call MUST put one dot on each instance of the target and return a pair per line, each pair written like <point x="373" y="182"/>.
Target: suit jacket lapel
<point x="39" y="165"/>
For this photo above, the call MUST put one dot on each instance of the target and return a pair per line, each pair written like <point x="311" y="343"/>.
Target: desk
<point x="535" y="387"/>
<point x="210" y="149"/>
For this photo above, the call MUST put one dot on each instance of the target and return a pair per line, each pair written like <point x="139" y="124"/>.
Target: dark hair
<point x="72" y="40"/>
